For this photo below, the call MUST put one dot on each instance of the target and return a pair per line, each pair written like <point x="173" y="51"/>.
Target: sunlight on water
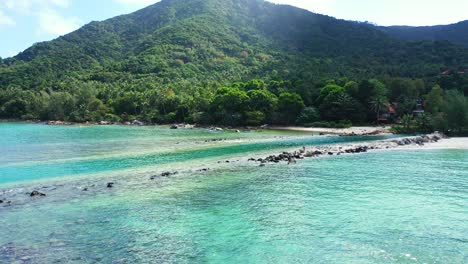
<point x="383" y="207"/>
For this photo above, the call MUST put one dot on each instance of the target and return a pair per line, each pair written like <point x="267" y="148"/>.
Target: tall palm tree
<point x="378" y="104"/>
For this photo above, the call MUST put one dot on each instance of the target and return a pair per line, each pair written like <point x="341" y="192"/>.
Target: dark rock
<point x="262" y="165"/>
<point x="85" y="189"/>
<point x="174" y="127"/>
<point x="330" y="153"/>
<point x="167" y="174"/>
<point x="110" y="184"/>
<point x="36" y="193"/>
<point x="1" y="201"/>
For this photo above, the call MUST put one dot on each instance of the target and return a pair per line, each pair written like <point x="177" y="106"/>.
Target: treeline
<point x="337" y="103"/>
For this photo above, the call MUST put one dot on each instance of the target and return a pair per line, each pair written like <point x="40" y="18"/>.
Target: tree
<point x="340" y="106"/>
<point x="290" y="106"/>
<point x="255" y="118"/>
<point x="14" y="108"/>
<point x="434" y="100"/>
<point x="229" y="105"/>
<point x="254" y="84"/>
<point x="378" y="105"/>
<point x="61" y="105"/>
<point x="424" y="123"/>
<point x="330" y="90"/>
<point x="262" y="100"/>
<point x="352" y="88"/>
<point x="129" y="103"/>
<point x="456" y="110"/>
<point x="406" y="121"/>
<point x="308" y="115"/>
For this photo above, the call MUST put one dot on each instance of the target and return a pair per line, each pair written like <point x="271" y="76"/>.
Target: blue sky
<point x="25" y="22"/>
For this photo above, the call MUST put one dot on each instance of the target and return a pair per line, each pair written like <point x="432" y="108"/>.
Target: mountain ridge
<point x="270" y="27"/>
<point x="455" y="33"/>
<point x="234" y="62"/>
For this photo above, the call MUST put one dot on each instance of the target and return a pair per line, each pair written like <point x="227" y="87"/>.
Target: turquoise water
<point x="32" y="152"/>
<point x="396" y="206"/>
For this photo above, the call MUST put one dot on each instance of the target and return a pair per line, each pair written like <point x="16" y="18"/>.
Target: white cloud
<point x="6" y="20"/>
<point x="51" y="22"/>
<point x="26" y="7"/>
<point x="317" y="6"/>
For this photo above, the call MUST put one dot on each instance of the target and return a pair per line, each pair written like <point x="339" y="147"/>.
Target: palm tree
<point x="378" y="104"/>
<point x="406" y="120"/>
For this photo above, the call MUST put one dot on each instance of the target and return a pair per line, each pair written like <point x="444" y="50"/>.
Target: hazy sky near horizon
<point x="25" y="22"/>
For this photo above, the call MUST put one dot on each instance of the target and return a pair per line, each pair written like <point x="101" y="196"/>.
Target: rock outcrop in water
<point x="164" y="174"/>
<point x="291" y="157"/>
<point x="36" y="193"/>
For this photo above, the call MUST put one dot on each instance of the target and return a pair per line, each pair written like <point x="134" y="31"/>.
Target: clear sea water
<point x="396" y="206"/>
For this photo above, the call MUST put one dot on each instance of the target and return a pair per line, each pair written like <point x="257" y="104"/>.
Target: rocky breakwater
<point x="343" y="149"/>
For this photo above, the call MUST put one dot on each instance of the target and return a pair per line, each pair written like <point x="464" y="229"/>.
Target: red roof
<point x="447" y="72"/>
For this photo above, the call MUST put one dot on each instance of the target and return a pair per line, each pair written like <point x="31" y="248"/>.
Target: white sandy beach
<point x="341" y="131"/>
<point x="446" y="143"/>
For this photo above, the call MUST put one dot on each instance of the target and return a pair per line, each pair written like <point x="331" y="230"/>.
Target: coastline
<point x="351" y="131"/>
<point x="460" y="143"/>
<point x="140" y="177"/>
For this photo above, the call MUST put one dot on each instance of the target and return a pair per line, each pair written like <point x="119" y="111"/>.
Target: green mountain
<point x="172" y="61"/>
<point x="225" y="40"/>
<point x="456" y="33"/>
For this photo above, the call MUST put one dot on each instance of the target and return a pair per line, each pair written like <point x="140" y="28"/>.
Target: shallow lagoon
<point x="382" y="207"/>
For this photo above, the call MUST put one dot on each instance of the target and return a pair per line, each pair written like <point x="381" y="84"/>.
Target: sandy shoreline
<point x="447" y="143"/>
<point x="365" y="130"/>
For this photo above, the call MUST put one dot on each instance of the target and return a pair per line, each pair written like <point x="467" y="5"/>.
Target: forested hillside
<point x="456" y="33"/>
<point x="233" y="62"/>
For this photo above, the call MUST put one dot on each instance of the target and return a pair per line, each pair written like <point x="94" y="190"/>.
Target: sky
<point x="25" y="22"/>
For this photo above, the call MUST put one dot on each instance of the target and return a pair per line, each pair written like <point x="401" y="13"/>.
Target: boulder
<point x="167" y="174"/>
<point x="37" y="193"/>
<point x="174" y="127"/>
<point x="137" y="123"/>
<point x="110" y="184"/>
